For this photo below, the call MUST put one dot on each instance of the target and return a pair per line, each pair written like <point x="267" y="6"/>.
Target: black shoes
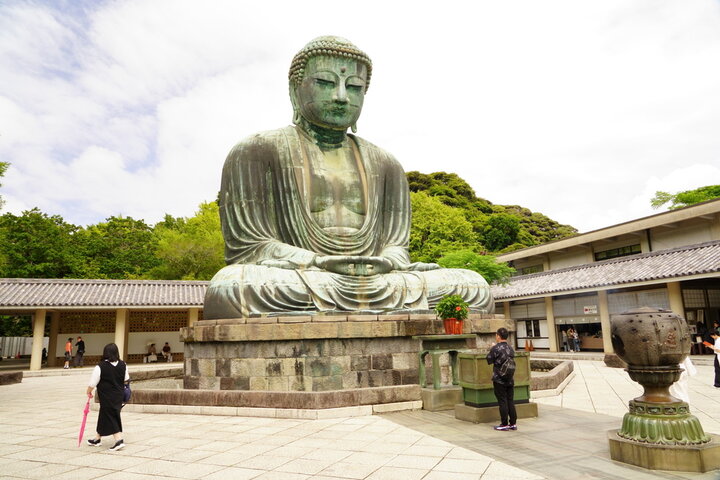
<point x="118" y="445"/>
<point x="505" y="428"/>
<point x="94" y="443"/>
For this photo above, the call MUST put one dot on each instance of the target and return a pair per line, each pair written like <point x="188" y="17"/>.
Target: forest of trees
<point x="450" y="225"/>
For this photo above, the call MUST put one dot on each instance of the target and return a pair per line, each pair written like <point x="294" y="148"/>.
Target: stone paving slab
<point x="39" y="421"/>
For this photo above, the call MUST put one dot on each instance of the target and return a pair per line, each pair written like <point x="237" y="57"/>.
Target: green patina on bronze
<point x="318" y="220"/>
<point x="653" y="342"/>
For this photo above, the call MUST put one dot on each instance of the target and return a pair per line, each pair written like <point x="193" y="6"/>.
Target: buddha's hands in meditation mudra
<point x="354" y="265"/>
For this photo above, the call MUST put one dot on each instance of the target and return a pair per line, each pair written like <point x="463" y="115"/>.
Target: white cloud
<point x="579" y="110"/>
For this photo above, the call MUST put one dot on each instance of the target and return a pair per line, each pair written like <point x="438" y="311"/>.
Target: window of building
<point x="532" y="328"/>
<point x="617" y="252"/>
<point x="528" y="270"/>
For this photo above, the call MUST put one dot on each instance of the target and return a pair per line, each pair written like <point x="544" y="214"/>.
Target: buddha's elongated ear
<point x="293" y="99"/>
<point x="353" y="127"/>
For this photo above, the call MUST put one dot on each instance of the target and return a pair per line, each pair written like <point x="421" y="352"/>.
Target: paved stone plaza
<point x="39" y="422"/>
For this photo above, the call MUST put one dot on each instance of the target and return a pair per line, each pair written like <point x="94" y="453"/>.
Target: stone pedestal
<point x="443" y="399"/>
<point x="492" y="414"/>
<point x="686" y="458"/>
<point x="306" y="355"/>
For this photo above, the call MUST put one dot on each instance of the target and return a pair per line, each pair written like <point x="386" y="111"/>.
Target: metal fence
<point x="14" y="346"/>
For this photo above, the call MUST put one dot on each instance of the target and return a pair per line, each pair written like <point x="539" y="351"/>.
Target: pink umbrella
<point x="84" y="420"/>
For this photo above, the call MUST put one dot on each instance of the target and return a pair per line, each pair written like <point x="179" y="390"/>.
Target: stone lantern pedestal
<point x="658" y="432"/>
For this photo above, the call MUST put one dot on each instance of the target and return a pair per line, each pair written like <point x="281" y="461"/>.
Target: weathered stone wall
<point x="312" y="365"/>
<point x="313" y="354"/>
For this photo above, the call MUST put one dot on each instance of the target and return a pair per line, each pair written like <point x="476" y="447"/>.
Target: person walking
<point x="80" y="345"/>
<point x="68" y="352"/>
<point x="564" y="340"/>
<point x="715" y="337"/>
<point x="109" y="377"/>
<point x="502" y="358"/>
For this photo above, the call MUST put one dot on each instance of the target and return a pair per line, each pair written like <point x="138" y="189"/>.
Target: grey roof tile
<point x="665" y="264"/>
<point x="32" y="292"/>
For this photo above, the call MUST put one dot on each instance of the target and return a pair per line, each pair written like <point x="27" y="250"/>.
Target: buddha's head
<point x="328" y="81"/>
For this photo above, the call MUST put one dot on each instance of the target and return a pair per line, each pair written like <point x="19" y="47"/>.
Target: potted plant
<point x="453" y="310"/>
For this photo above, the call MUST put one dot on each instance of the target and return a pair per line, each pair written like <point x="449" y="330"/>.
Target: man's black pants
<point x="504" y="395"/>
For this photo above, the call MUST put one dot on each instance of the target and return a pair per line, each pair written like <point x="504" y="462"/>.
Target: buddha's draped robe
<point x="265" y="218"/>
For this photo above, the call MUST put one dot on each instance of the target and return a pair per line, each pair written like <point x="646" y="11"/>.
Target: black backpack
<point x="507" y="367"/>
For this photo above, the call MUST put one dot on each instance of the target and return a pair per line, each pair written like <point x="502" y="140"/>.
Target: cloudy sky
<point x="578" y="110"/>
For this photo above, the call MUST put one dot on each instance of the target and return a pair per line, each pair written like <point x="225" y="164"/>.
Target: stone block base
<point x="279" y="400"/>
<point x="7" y="378"/>
<point x="443" y="399"/>
<point x="684" y="458"/>
<point x="492" y="414"/>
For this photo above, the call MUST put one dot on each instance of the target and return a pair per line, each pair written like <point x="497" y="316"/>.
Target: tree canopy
<point x="437" y="228"/>
<point x="498" y="228"/>
<point x="685" y="198"/>
<point x="485" y="265"/>
<point x="190" y="248"/>
<point x="450" y="225"/>
<point x="3" y="168"/>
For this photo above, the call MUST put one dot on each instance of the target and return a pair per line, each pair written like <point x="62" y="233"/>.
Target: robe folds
<point x="266" y="220"/>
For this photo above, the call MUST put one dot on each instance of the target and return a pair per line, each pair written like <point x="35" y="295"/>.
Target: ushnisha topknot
<point x="327" y="45"/>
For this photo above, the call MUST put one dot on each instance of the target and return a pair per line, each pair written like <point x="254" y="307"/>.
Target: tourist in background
<point x="68" y="352"/>
<point x="166" y="352"/>
<point x="715" y="337"/>
<point x="152" y="353"/>
<point x="109" y="376"/>
<point x="681" y="388"/>
<point x="564" y="341"/>
<point x="502" y="358"/>
<point x="80" y="345"/>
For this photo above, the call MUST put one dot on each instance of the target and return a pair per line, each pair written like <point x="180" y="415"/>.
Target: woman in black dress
<point x="109" y="377"/>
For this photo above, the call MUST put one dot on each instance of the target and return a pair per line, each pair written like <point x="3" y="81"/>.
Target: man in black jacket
<point x="502" y="357"/>
<point x="80" y="345"/>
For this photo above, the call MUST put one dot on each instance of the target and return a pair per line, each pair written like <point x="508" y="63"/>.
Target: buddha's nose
<point x="340" y="93"/>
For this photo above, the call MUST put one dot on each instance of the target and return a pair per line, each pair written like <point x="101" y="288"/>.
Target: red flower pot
<point x="458" y="327"/>
<point x="449" y="325"/>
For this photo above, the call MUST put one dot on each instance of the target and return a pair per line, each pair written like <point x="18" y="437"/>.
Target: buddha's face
<point x="332" y="92"/>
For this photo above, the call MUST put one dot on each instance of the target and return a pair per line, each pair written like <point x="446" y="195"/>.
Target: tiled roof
<point x="646" y="267"/>
<point x="31" y="292"/>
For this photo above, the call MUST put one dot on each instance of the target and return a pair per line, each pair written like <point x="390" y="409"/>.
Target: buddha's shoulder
<point x="374" y="149"/>
<point x="268" y="138"/>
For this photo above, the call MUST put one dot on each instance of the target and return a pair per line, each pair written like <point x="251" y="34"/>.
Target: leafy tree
<point x="35" y="245"/>
<point x="450" y="189"/>
<point x="120" y="247"/>
<point x="3" y="168"/>
<point x="437" y="228"/>
<point x="685" y="198"/>
<point x="485" y="265"/>
<point x="501" y="230"/>
<point x="12" y="326"/>
<point x="190" y="249"/>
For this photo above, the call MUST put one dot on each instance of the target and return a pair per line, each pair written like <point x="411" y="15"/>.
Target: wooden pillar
<point x="52" y="343"/>
<point x="675" y="297"/>
<point x="38" y="335"/>
<point x="121" y="331"/>
<point x="552" y="331"/>
<point x="604" y="311"/>
<point x="193" y="314"/>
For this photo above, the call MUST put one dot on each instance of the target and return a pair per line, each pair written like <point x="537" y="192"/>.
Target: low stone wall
<point x="170" y="372"/>
<point x="8" y="378"/>
<point x="294" y="400"/>
<point x="311" y="353"/>
<point x="548" y="380"/>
